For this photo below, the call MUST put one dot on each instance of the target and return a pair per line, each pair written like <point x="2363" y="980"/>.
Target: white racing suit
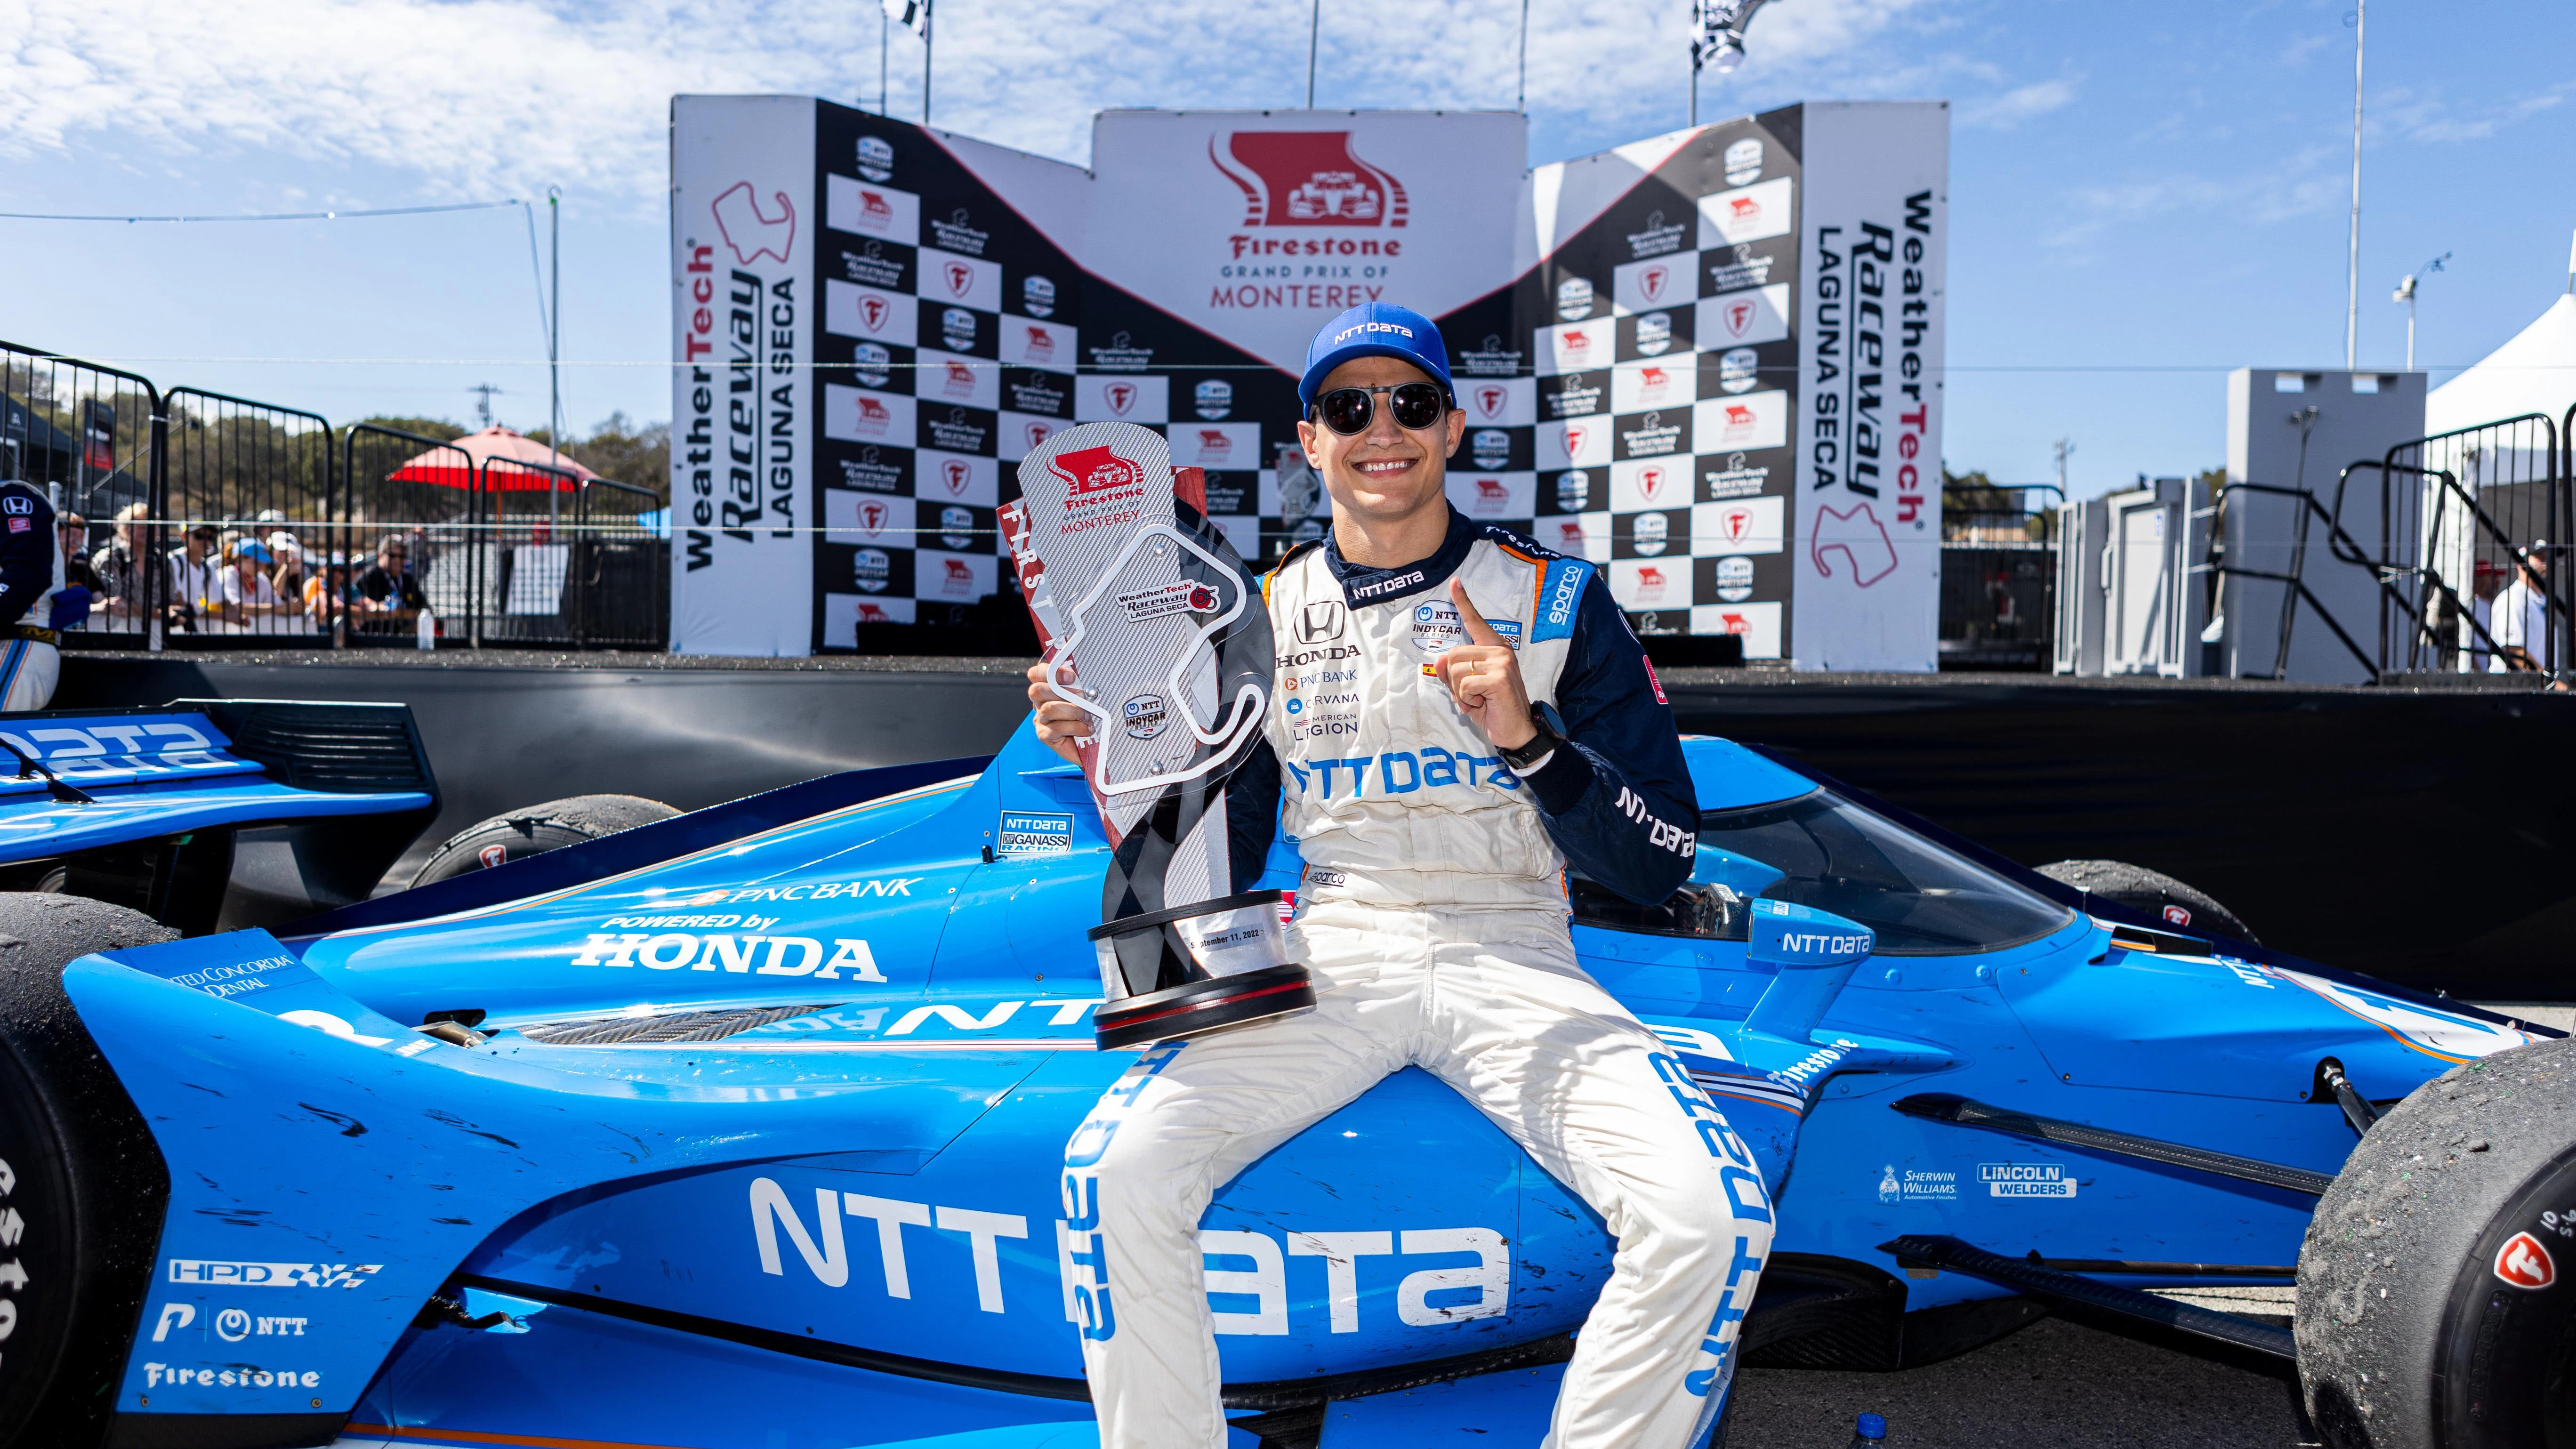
<point x="1432" y="912"/>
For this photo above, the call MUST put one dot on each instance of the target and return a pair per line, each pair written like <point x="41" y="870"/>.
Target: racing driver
<point x="1459" y="715"/>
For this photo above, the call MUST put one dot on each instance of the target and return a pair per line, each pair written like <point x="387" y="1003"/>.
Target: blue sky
<point x="2143" y="196"/>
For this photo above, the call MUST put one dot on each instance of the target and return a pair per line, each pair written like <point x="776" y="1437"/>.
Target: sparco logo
<point x="1307" y="178"/>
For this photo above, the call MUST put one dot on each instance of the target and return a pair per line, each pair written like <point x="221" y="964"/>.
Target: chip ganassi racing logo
<point x="1307" y="178"/>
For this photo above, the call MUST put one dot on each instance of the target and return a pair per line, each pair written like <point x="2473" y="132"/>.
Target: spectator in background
<point x="288" y="577"/>
<point x="2521" y="614"/>
<point x="196" y="577"/>
<point x="250" y="600"/>
<point x="330" y="593"/>
<point x="79" y="590"/>
<point x="388" y="588"/>
<point x="114" y="563"/>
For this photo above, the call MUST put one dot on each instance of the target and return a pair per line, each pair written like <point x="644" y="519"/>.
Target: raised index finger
<point x="1478" y="631"/>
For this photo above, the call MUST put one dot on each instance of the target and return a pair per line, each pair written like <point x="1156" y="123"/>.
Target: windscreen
<point x="1823" y="851"/>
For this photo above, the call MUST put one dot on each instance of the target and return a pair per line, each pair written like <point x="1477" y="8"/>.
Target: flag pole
<point x="1522" y="105"/>
<point x="1314" y="33"/>
<point x="929" y="20"/>
<point x="2352" y="264"/>
<point x="1694" y="62"/>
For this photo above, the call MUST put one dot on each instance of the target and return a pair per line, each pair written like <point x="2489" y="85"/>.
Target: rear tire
<point x="2437" y="1285"/>
<point x="81" y="1180"/>
<point x="518" y="834"/>
<point x="2159" y="895"/>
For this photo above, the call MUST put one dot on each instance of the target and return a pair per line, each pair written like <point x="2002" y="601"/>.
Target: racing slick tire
<point x="82" y="1185"/>
<point x="2154" y="892"/>
<point x="2437" y="1285"/>
<point x="518" y="834"/>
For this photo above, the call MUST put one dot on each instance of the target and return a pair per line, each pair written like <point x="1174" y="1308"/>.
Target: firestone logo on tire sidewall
<point x="2523" y="1262"/>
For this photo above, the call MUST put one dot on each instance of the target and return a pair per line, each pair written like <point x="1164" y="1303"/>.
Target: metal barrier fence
<point x="1998" y="577"/>
<point x="2475" y="555"/>
<point x="273" y="528"/>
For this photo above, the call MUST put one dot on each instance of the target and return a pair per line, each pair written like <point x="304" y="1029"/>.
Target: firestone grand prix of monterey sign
<point x="1709" y="361"/>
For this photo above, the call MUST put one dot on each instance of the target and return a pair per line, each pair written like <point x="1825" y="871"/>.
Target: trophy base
<point x="1200" y="1007"/>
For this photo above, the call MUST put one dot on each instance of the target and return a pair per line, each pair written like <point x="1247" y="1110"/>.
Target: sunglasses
<point x="1414" y="405"/>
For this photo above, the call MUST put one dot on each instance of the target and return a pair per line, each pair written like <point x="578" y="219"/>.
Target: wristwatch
<point x="1539" y="746"/>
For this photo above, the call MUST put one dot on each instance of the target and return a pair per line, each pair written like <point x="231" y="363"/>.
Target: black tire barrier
<point x="2437" y="1285"/>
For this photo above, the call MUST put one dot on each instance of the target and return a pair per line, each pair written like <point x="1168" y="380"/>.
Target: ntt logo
<point x="1347" y="333"/>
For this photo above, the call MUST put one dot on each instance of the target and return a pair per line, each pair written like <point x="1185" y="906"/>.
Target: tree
<point x="619" y="449"/>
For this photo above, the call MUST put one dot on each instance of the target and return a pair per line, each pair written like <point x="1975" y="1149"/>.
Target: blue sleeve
<point x="1620" y="802"/>
<point x="1252" y="814"/>
<point x="27" y="551"/>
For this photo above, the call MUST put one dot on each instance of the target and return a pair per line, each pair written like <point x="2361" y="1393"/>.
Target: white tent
<point x="2533" y="373"/>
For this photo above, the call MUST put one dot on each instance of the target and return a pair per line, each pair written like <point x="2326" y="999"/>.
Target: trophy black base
<point x="1199" y="1007"/>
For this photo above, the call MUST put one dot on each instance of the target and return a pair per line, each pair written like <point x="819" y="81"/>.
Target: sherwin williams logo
<point x="1094" y="470"/>
<point x="1307" y="178"/>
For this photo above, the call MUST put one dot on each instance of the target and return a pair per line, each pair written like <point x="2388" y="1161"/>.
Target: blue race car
<point x="744" y="1129"/>
<point x="268" y="809"/>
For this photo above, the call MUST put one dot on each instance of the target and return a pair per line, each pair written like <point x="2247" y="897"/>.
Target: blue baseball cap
<point x="1375" y="329"/>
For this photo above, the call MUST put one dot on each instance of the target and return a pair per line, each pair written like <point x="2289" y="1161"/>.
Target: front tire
<point x="2437" y="1285"/>
<point x="82" y="1185"/>
<point x="518" y="834"/>
<point x="2163" y="898"/>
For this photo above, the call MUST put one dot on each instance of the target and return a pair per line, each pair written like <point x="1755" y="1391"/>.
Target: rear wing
<point x="149" y="786"/>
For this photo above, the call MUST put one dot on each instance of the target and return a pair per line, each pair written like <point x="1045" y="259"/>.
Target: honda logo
<point x="1321" y="621"/>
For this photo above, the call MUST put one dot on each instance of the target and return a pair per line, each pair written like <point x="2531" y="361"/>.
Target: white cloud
<point x="2018" y="105"/>
<point x="486" y="97"/>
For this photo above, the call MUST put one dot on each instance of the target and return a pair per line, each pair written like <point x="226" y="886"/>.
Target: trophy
<point x="1155" y="630"/>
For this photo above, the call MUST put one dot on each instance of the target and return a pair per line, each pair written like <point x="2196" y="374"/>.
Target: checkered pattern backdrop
<point x="1628" y="401"/>
<point x="1646" y="428"/>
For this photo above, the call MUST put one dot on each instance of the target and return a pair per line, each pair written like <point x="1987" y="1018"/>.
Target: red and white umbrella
<point x="505" y="450"/>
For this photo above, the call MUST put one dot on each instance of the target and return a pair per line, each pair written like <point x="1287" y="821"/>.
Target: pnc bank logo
<point x="1307" y="178"/>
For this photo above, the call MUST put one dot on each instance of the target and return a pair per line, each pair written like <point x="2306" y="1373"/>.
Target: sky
<point x="2142" y="196"/>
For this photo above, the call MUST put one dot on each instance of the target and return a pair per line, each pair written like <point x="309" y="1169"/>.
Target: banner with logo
<point x="1631" y="333"/>
<point x="1869" y="441"/>
<point x="742" y="380"/>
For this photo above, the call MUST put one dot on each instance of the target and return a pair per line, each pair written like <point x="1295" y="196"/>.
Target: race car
<point x="746" y="1128"/>
<point x="270" y="809"/>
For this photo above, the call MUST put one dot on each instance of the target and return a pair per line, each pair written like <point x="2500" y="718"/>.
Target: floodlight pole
<point x="554" y="356"/>
<point x="2352" y="265"/>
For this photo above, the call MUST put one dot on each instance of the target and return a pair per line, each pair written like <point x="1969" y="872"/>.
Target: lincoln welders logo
<point x="1307" y="178"/>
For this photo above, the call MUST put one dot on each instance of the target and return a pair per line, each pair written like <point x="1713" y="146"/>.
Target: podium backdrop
<point x="1709" y="361"/>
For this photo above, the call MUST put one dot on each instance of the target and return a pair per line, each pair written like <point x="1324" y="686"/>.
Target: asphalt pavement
<point x="2054" y="1385"/>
